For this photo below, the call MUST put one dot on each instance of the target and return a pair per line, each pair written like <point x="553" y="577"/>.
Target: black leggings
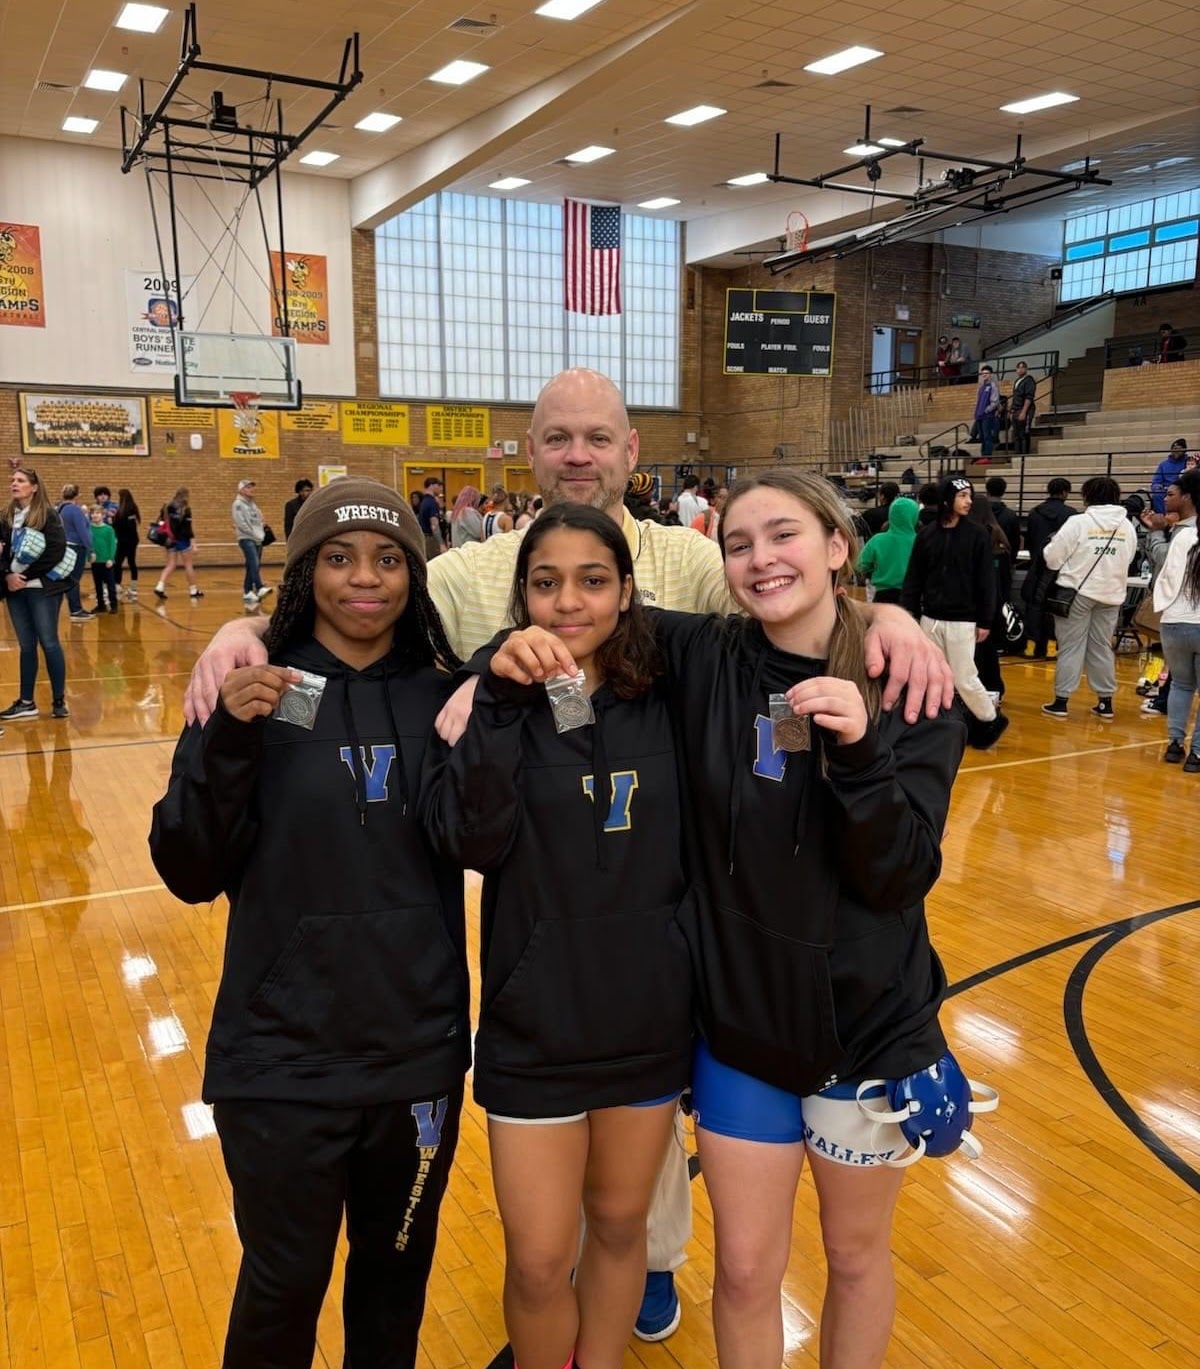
<point x="126" y="552"/>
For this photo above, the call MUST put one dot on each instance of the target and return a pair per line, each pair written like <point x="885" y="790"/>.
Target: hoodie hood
<point x="1108" y="516"/>
<point x="902" y="516"/>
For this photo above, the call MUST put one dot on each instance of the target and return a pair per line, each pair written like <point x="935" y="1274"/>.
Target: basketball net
<point x="796" y="235"/>
<point x="246" y="419"/>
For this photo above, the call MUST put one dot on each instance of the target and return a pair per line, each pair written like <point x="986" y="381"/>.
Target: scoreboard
<point x="779" y="332"/>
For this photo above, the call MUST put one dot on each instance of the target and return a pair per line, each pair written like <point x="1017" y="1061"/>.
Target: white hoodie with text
<point x="1089" y="558"/>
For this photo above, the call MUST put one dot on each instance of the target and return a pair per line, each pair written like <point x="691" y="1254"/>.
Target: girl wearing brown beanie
<point x="340" y="1034"/>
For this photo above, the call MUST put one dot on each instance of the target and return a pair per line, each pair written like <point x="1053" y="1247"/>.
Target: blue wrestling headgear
<point x="933" y="1108"/>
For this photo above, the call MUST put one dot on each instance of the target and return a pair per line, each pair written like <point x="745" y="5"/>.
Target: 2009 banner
<point x="152" y="300"/>
<point x="22" y="285"/>
<point x="305" y="277"/>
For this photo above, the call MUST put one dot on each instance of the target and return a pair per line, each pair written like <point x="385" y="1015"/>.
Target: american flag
<point x="592" y="258"/>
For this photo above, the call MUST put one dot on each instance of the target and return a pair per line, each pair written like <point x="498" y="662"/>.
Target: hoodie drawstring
<point x="601" y="784"/>
<point x="356" y="760"/>
<point x="401" y="773"/>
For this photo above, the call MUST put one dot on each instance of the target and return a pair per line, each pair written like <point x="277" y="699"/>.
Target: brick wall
<point x="1145" y="387"/>
<point x="1143" y="314"/>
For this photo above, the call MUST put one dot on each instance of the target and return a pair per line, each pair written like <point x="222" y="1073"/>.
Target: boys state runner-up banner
<point x="779" y="332"/>
<point x="306" y="280"/>
<point x="22" y="287"/>
<point x="152" y="301"/>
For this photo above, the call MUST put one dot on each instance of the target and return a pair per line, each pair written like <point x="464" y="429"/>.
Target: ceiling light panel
<point x="319" y="158"/>
<point x="699" y="115"/>
<point x="663" y="202"/>
<point x="843" y="61"/>
<point x="73" y="123"/>
<point x="458" y="73"/>
<point x="378" y="122"/>
<point x="592" y="153"/>
<point x="508" y="183"/>
<point x="141" y="18"/>
<point x="565" y="9"/>
<point x="99" y="79"/>
<point x="863" y="150"/>
<point x="1032" y="105"/>
<point x="754" y="178"/>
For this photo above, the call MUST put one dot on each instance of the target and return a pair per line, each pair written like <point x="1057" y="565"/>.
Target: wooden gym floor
<point x="1067" y="916"/>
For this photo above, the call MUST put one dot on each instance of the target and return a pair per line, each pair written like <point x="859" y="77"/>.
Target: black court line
<point x="15" y="753"/>
<point x="1077" y="1034"/>
<point x="1106" y="937"/>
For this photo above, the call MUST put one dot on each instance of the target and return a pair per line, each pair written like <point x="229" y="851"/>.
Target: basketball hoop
<point x="796" y="235"/>
<point x="245" y="417"/>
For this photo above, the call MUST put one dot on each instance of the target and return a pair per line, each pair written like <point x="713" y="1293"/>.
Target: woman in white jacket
<point x="1091" y="553"/>
<point x="1177" y="598"/>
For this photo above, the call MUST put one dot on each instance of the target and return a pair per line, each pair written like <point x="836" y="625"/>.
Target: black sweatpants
<point x="294" y="1168"/>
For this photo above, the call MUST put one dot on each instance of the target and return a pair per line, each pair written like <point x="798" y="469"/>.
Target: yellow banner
<point x="257" y="439"/>
<point x="313" y="418"/>
<point x="22" y="287"/>
<point x="374" y="423"/>
<point x="307" y="284"/>
<point x="165" y="413"/>
<point x="458" y="425"/>
<point x="325" y="474"/>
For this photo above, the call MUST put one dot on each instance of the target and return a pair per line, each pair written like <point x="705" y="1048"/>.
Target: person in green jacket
<point x="884" y="559"/>
<point x="104" y="555"/>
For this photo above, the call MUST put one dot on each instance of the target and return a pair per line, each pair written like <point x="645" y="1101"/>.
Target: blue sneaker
<point x="660" y="1314"/>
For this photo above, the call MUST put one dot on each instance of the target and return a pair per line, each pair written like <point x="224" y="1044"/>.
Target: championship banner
<point x="22" y="287"/>
<point x="152" y="309"/>
<point x="165" y="413"/>
<point x="257" y="438"/>
<point x="312" y="418"/>
<point x="307" y="283"/>
<point x="374" y="423"/>
<point x="457" y="425"/>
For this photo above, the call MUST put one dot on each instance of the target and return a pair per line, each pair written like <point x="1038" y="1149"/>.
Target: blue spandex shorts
<point x="831" y="1123"/>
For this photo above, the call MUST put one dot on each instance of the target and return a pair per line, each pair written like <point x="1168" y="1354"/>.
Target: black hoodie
<point x="345" y="977"/>
<point x="951" y="576"/>
<point x="808" y="932"/>
<point x="586" y="993"/>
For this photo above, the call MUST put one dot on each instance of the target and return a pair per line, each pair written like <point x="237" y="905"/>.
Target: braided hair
<point x="420" y="637"/>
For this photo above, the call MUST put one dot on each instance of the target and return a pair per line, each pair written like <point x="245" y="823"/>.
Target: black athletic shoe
<point x="1192" y="765"/>
<point x="60" y="709"/>
<point x="19" y="708"/>
<point x="1174" y="754"/>
<point x="159" y="593"/>
<point x="1104" y="711"/>
<point x="1058" y="709"/>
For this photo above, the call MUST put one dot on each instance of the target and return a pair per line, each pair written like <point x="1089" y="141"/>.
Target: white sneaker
<point x="250" y="599"/>
<point x="266" y="589"/>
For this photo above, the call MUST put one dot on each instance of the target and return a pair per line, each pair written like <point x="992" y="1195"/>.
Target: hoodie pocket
<point x="592" y="991"/>
<point x="385" y="984"/>
<point x="766" y="1001"/>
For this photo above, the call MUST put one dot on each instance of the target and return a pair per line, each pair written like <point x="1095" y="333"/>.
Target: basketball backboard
<point x="212" y="367"/>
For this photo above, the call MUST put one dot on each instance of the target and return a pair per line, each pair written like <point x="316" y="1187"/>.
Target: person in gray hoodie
<point x="248" y="529"/>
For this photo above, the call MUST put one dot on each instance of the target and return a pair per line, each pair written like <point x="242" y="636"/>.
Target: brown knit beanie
<point x="354" y="504"/>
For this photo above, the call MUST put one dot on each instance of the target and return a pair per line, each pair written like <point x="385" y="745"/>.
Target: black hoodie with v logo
<point x="345" y="975"/>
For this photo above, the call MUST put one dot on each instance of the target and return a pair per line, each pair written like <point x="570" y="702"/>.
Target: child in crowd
<point x="884" y="559"/>
<point x="340" y="1031"/>
<point x="104" y="555"/>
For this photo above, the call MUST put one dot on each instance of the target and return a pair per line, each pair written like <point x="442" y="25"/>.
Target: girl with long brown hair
<point x="33" y="543"/>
